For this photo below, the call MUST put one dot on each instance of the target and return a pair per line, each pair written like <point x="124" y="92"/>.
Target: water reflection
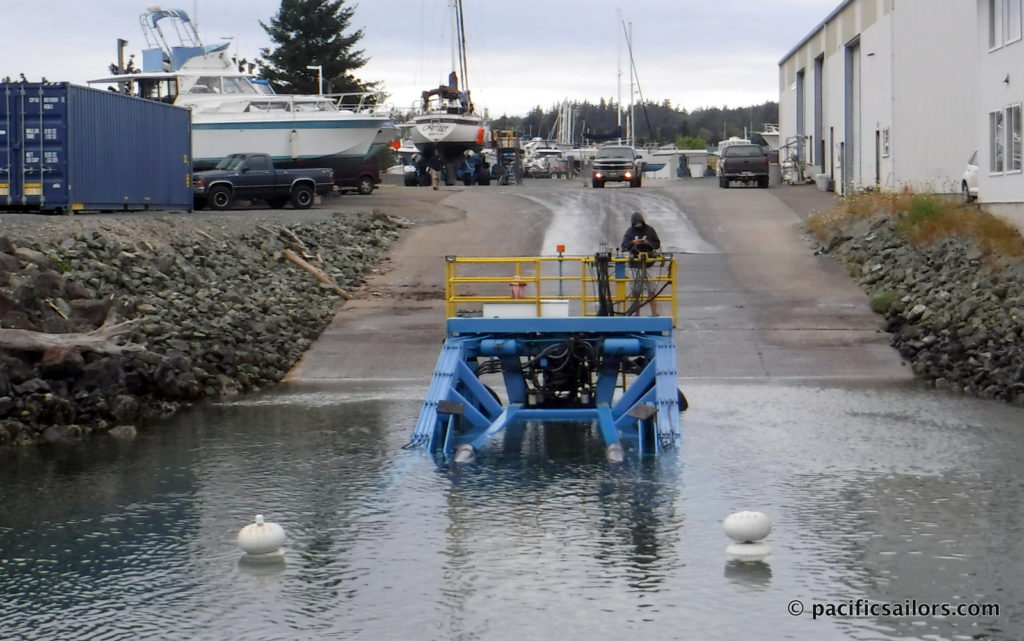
<point x="749" y="574"/>
<point x="875" y="493"/>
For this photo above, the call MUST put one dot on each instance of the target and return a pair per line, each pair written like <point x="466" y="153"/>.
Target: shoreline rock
<point x="216" y="312"/>
<point x="956" y="314"/>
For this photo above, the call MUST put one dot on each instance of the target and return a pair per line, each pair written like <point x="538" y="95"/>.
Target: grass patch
<point x="881" y="303"/>
<point x="922" y="219"/>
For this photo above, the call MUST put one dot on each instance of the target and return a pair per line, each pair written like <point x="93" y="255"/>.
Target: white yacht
<point x="232" y="111"/>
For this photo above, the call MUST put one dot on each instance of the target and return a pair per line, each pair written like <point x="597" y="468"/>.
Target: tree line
<point x="305" y="31"/>
<point x="655" y="123"/>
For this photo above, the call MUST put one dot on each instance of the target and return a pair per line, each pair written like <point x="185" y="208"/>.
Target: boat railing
<point x="602" y="284"/>
<point x="360" y="101"/>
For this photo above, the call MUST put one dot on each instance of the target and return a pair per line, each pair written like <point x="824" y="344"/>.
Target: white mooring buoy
<point x="261" y="539"/>
<point x="747" y="529"/>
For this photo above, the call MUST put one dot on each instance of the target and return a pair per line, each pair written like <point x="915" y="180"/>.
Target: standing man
<point x="641" y="238"/>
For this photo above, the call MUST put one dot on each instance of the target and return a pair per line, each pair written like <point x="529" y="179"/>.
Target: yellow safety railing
<point x="633" y="285"/>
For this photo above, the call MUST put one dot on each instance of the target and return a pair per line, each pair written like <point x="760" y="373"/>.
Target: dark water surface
<point x="879" y="493"/>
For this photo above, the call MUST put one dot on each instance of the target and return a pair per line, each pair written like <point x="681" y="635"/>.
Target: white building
<point x="999" y="89"/>
<point x="898" y="94"/>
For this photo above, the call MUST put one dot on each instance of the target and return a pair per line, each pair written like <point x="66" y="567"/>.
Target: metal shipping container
<point x="64" y="147"/>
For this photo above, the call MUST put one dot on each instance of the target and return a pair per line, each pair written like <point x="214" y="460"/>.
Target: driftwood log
<point x="317" y="273"/>
<point x="102" y="340"/>
<point x="298" y="253"/>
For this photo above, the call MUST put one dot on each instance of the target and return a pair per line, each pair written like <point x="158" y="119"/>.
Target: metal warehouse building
<point x="900" y="93"/>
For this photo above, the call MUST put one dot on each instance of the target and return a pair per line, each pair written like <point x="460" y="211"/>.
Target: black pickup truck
<point x="747" y="163"/>
<point x="253" y="177"/>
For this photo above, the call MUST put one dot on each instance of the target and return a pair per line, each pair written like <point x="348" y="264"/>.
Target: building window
<point x="885" y="143"/>
<point x="996" y="139"/>
<point x="1012" y="19"/>
<point x="995" y="24"/>
<point x="1013" y="131"/>
<point x="1004" y="22"/>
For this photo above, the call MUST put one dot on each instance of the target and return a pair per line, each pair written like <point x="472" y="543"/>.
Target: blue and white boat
<point x="232" y="111"/>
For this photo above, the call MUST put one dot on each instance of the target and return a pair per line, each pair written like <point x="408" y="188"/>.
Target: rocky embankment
<point x="130" y="319"/>
<point x="956" y="313"/>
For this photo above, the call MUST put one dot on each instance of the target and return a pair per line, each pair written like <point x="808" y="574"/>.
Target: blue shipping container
<point x="64" y="147"/>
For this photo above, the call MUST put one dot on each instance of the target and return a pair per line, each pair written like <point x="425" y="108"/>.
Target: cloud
<point x="522" y="54"/>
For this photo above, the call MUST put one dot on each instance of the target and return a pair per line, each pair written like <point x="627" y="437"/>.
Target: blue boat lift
<point x="615" y="372"/>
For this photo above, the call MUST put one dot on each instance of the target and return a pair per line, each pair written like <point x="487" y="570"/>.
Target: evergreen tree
<point x="312" y="32"/>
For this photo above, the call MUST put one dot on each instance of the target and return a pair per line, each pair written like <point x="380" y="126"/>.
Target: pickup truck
<point x="747" y="163"/>
<point x="253" y="177"/>
<point x="617" y="164"/>
<point x="363" y="180"/>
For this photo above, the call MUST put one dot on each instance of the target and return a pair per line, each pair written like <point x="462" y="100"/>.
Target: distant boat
<point x="232" y="111"/>
<point x="770" y="133"/>
<point x="446" y="125"/>
<point x="731" y="140"/>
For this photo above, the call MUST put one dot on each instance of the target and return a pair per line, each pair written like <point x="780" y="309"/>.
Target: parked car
<point x="969" y="183"/>
<point x="363" y="180"/>
<point x="746" y="163"/>
<point x="253" y="177"/>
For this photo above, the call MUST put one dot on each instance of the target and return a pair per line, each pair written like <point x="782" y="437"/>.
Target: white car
<point x="969" y="184"/>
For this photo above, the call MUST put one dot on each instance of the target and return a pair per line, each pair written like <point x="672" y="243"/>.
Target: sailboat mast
<point x="632" y="110"/>
<point x="455" y="38"/>
<point x="460" y="30"/>
<point x="619" y="101"/>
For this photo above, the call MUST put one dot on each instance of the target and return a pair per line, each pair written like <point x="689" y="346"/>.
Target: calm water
<point x="878" y="493"/>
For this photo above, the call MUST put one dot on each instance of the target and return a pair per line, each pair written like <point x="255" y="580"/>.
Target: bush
<point x="922" y="219"/>
<point x="881" y="303"/>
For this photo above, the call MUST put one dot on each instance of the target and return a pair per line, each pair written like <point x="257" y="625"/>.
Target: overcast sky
<point x="522" y="53"/>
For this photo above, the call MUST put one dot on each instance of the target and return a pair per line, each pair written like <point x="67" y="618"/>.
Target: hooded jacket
<point x="638" y="228"/>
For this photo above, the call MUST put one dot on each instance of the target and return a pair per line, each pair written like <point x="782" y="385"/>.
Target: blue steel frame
<point x="460" y="409"/>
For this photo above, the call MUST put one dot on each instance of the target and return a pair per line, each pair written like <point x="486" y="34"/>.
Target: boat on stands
<point x="770" y="133"/>
<point x="445" y="127"/>
<point x="232" y="111"/>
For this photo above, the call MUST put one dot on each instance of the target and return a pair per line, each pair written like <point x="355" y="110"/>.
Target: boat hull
<point x="338" y="144"/>
<point x="448" y="136"/>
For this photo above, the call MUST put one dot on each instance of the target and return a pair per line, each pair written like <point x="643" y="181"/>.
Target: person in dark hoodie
<point x="641" y="238"/>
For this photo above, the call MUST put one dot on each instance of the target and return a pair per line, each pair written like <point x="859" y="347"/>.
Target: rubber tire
<point x="681" y="400"/>
<point x="723" y="183"/>
<point x="277" y="202"/>
<point x="484" y="179"/>
<point x="365" y="186"/>
<point x="425" y="179"/>
<point x="219" y="198"/>
<point x="763" y="182"/>
<point x="411" y="179"/>
<point x="467" y="180"/>
<point x="198" y="203"/>
<point x="449" y="175"/>
<point x="965" y="192"/>
<point x="598" y="184"/>
<point x="302" y="197"/>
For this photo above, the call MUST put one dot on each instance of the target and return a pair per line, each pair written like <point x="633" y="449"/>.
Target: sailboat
<point x="445" y="125"/>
